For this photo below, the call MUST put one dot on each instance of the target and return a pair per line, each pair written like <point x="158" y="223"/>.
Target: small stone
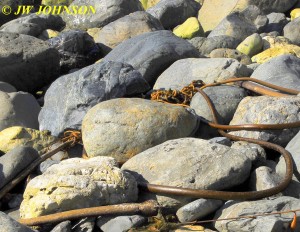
<point x="13" y="137"/>
<point x="8" y="224"/>
<point x="198" y="209"/>
<point x="78" y="183"/>
<point x="65" y="226"/>
<point x="276" y="51"/>
<point x="251" y="45"/>
<point x="295" y="13"/>
<point x="189" y="29"/>
<point x="121" y="223"/>
<point x="15" y="161"/>
<point x="122" y="127"/>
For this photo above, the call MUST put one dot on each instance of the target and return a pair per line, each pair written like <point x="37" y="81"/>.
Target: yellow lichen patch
<point x="276" y="51"/>
<point x="189" y="29"/>
<point x="17" y="136"/>
<point x="48" y="34"/>
<point x="295" y="13"/>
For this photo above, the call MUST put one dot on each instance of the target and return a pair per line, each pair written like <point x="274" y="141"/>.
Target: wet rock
<point x="173" y="13"/>
<point x="13" y="137"/>
<point x="5" y="87"/>
<point x="149" y="54"/>
<point x="27" y="63"/>
<point x="122" y="128"/>
<point x="273" y="223"/>
<point x="183" y="72"/>
<point x="8" y="224"/>
<point x="71" y="96"/>
<point x="291" y="31"/>
<point x="78" y="183"/>
<point x="77" y="49"/>
<point x="15" y="161"/>
<point x="230" y="53"/>
<point x="268" y="110"/>
<point x="194" y="167"/>
<point x="206" y="45"/>
<point x="125" y="28"/>
<point x="106" y="11"/>
<point x="283" y="71"/>
<point x="198" y="209"/>
<point x="18" y="109"/>
<point x="119" y="224"/>
<point x="34" y="24"/>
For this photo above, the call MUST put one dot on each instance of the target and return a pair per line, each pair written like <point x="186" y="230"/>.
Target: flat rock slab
<point x="27" y="63"/>
<point x="122" y="128"/>
<point x="268" y="110"/>
<point x="189" y="163"/>
<point x="152" y="52"/>
<point x="183" y="72"/>
<point x="274" y="223"/>
<point x="77" y="183"/>
<point x="71" y="96"/>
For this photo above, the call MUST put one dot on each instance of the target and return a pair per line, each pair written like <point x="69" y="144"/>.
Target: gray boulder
<point x="149" y="54"/>
<point x="18" y="109"/>
<point x="199" y="164"/>
<point x="206" y="45"/>
<point x="69" y="98"/>
<point x="122" y="128"/>
<point x="107" y="11"/>
<point x="27" y="63"/>
<point x="5" y="87"/>
<point x="292" y="32"/>
<point x="272" y="223"/>
<point x="78" y="183"/>
<point x="225" y="99"/>
<point x="125" y="28"/>
<point x="268" y="110"/>
<point x="8" y="224"/>
<point x="175" y="12"/>
<point x="183" y="72"/>
<point x="15" y="161"/>
<point x="240" y="24"/>
<point x="282" y="70"/>
<point x="34" y="24"/>
<point x="276" y="22"/>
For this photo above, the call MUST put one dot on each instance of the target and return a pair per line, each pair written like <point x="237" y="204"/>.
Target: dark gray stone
<point x="221" y="140"/>
<point x="175" y="12"/>
<point x="269" y="6"/>
<point x="8" y="224"/>
<point x="77" y="49"/>
<point x="71" y="96"/>
<point x="18" y="109"/>
<point x="27" y="63"/>
<point x="239" y="25"/>
<point x="225" y="99"/>
<point x="65" y="226"/>
<point x="292" y="32"/>
<point x="272" y="223"/>
<point x="153" y="52"/>
<point x="282" y="70"/>
<point x="13" y="162"/>
<point x="15" y="201"/>
<point x="198" y="209"/>
<point x="206" y="45"/>
<point x="107" y="11"/>
<point x="34" y="24"/>
<point x="199" y="164"/>
<point x="277" y="21"/>
<point x="5" y="87"/>
<point x="120" y="224"/>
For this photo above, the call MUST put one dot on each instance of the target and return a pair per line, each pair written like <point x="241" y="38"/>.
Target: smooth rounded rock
<point x="251" y="45"/>
<point x="5" y="87"/>
<point x="189" y="29"/>
<point x="183" y="72"/>
<point x="149" y="54"/>
<point x="18" y="109"/>
<point x="71" y="96"/>
<point x="268" y="110"/>
<point x="78" y="183"/>
<point x="292" y="32"/>
<point x="122" y="128"/>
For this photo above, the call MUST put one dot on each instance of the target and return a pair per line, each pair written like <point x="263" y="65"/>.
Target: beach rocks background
<point x="96" y="73"/>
